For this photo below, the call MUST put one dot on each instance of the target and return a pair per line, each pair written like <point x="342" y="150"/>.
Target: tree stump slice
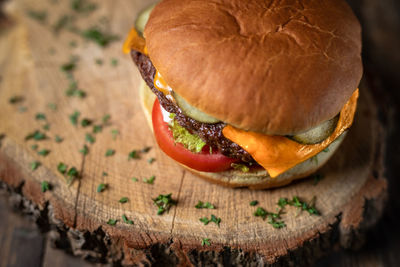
<point x="350" y="197"/>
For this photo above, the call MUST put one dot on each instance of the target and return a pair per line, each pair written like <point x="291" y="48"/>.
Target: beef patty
<point x="209" y="133"/>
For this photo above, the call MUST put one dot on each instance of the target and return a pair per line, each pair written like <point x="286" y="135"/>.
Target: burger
<point x="248" y="93"/>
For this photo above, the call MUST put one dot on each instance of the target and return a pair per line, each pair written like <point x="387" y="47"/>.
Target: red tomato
<point x="203" y="161"/>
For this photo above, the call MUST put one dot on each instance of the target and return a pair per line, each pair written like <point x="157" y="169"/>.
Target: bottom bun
<point x="256" y="178"/>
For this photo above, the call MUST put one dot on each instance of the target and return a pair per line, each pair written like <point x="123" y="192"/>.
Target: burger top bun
<point x="276" y="67"/>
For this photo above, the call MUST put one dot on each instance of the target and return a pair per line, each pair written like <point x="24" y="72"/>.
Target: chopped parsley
<point x="36" y="135"/>
<point x="125" y="219"/>
<point x="34" y="147"/>
<point x="164" y="203"/>
<point x="106" y="118"/>
<point x="85" y="122"/>
<point x="84" y="150"/>
<point x="72" y="174"/>
<point x="97" y="128"/>
<point x="40" y="116"/>
<point x="112" y="222"/>
<point x="114" y="134"/>
<point x="99" y="37"/>
<point x="205" y="241"/>
<point x="150" y="180"/>
<point x="58" y="139"/>
<point x="39" y="15"/>
<point x="74" y="117"/>
<point x="114" y="62"/>
<point x="123" y="200"/>
<point x="43" y="152"/>
<point x="317" y="177"/>
<point x="253" y="203"/>
<point x="134" y="179"/>
<point x="45" y="186"/>
<point x="145" y="149"/>
<point x="213" y="219"/>
<point x="110" y="152"/>
<point x="35" y="165"/>
<point x="133" y="155"/>
<point x="151" y="160"/>
<point x="105" y="174"/>
<point x="90" y="138"/>
<point x="326" y="150"/>
<point x="52" y="106"/>
<point x="273" y="218"/>
<point x="62" y="168"/>
<point x="46" y="127"/>
<point x="83" y="6"/>
<point x="206" y="205"/>
<point x="101" y="188"/>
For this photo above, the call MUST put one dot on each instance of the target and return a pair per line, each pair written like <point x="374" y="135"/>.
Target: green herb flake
<point x="34" y="147"/>
<point x="97" y="128"/>
<point x="35" y="165"/>
<point x="106" y="118"/>
<point x="260" y="212"/>
<point x="183" y="136"/>
<point x="52" y="106"/>
<point x="72" y="174"/>
<point x="112" y="222"/>
<point x="62" y="168"/>
<point x="272" y="219"/>
<point x="36" y="135"/>
<point x="105" y="174"/>
<point x="123" y="200"/>
<point x="40" y="116"/>
<point x="90" y="138"/>
<point x="16" y="99"/>
<point x="253" y="203"/>
<point x="110" y="152"/>
<point x="204" y="220"/>
<point x="83" y="6"/>
<point x="85" y="122"/>
<point x="99" y="61"/>
<point x="133" y="155"/>
<point x="326" y="150"/>
<point x="101" y="188"/>
<point x="205" y="242"/>
<point x="134" y="179"/>
<point x="99" y="37"/>
<point x="164" y="203"/>
<point x="74" y="117"/>
<point x="145" y="149"/>
<point x="58" y="139"/>
<point x="150" y="180"/>
<point x="114" y="134"/>
<point x="213" y="219"/>
<point x="84" y="150"/>
<point x="206" y="205"/>
<point x="125" y="219"/>
<point x="240" y="167"/>
<point x="45" y="186"/>
<point x="114" y="62"/>
<point x="151" y="160"/>
<point x="282" y="202"/>
<point x="69" y="66"/>
<point x="46" y="127"/>
<point x="39" y="15"/>
<point x="43" y="152"/>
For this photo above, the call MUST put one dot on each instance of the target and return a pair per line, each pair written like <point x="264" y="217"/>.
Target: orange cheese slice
<point x="278" y="154"/>
<point x="135" y="42"/>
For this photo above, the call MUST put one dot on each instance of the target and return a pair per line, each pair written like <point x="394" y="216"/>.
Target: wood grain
<point x="352" y="176"/>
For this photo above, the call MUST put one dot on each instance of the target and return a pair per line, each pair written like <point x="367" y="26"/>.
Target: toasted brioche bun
<point x="279" y="68"/>
<point x="255" y="178"/>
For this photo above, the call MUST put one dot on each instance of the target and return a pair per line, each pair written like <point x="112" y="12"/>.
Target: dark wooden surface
<point x="22" y="244"/>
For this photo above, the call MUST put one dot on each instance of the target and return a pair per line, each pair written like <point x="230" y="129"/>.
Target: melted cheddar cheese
<point x="135" y="42"/>
<point x="278" y="154"/>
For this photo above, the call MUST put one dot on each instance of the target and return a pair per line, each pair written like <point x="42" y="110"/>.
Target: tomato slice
<point x="203" y="161"/>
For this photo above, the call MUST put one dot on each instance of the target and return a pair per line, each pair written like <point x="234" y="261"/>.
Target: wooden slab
<point x="350" y="197"/>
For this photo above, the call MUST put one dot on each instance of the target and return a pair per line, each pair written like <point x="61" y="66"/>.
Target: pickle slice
<point x="317" y="134"/>
<point x="142" y="19"/>
<point x="193" y="112"/>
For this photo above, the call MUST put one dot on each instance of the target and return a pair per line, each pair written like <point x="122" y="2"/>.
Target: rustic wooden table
<point x="23" y="245"/>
